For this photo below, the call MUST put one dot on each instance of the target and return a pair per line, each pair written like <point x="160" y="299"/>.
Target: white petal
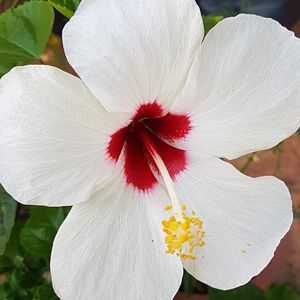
<point x="112" y="247"/>
<point x="53" y="137"/>
<point x="134" y="51"/>
<point x="244" y="219"/>
<point x="244" y="87"/>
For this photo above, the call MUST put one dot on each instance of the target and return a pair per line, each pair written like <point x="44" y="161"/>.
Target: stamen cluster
<point x="183" y="234"/>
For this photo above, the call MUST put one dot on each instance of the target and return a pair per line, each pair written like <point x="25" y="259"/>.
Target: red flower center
<point x="159" y="130"/>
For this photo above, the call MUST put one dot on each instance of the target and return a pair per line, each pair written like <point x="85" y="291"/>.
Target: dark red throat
<point x="150" y="129"/>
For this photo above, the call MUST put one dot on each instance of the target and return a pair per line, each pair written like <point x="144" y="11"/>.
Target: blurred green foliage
<point x="246" y="292"/>
<point x="210" y="21"/>
<point x="282" y="292"/>
<point x="24" y="32"/>
<point x="24" y="267"/>
<point x="66" y="7"/>
<point x="39" y="231"/>
<point x="7" y="218"/>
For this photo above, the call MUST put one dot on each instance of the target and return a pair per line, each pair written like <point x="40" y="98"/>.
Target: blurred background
<point x="285" y="11"/>
<point x="26" y="233"/>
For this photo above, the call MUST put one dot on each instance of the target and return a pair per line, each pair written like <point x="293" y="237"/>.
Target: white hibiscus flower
<point x="143" y="129"/>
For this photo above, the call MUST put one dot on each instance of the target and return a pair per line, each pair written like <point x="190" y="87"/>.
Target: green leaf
<point x="3" y="293"/>
<point x="298" y="131"/>
<point x="296" y="214"/>
<point x="66" y="7"/>
<point x="40" y="229"/>
<point x="22" y="280"/>
<point x="282" y="292"/>
<point x="246" y="292"/>
<point x="188" y="283"/>
<point x="43" y="292"/>
<point x="13" y="256"/>
<point x="7" y="218"/>
<point x="24" y="32"/>
<point x="210" y="21"/>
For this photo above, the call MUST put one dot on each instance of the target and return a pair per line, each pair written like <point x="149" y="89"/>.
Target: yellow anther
<point x="177" y="245"/>
<point x="185" y="226"/>
<point x="165" y="224"/>
<point x="183" y="234"/>
<point x="169" y="207"/>
<point x="167" y="231"/>
<point x="183" y="238"/>
<point x="172" y="219"/>
<point x="169" y="238"/>
<point x="174" y="226"/>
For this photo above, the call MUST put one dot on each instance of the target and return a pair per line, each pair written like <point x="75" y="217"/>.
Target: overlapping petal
<point x="112" y="247"/>
<point x="135" y="51"/>
<point x="244" y="219"/>
<point x="53" y="137"/>
<point x="243" y="91"/>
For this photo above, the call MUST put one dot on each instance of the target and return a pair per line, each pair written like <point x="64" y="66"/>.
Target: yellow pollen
<point x="184" y="234"/>
<point x="169" y="207"/>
